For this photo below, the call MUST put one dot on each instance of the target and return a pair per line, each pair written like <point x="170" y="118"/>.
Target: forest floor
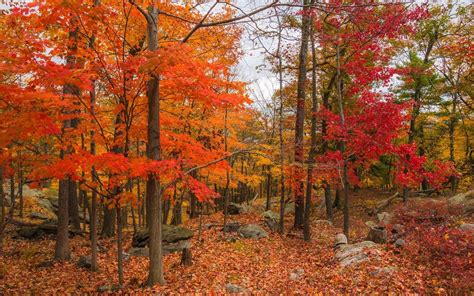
<point x="277" y="264"/>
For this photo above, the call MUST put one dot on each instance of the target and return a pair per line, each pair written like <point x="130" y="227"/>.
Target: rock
<point x="400" y="243"/>
<point x="45" y="264"/>
<point x="370" y="224"/>
<point x="351" y="254"/>
<point x="236" y="209"/>
<point x="169" y="248"/>
<point x="252" y="231"/>
<point x="84" y="262"/>
<point x="340" y="239"/>
<point x="290" y="208"/>
<point x="233" y="288"/>
<point x="271" y="219"/>
<point x="29" y="232"/>
<point x="398" y="229"/>
<point x="384" y="271"/>
<point x="47" y="205"/>
<point x="467" y="227"/>
<point x="38" y="215"/>
<point x="271" y="216"/>
<point x="139" y="252"/>
<point x="327" y="222"/>
<point x="384" y="218"/>
<point x="464" y="201"/>
<point x="378" y="235"/>
<point x="294" y="276"/>
<point x="232" y="226"/>
<point x="171" y="234"/>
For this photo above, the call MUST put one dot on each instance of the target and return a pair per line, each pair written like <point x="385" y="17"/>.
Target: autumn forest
<point x="161" y="147"/>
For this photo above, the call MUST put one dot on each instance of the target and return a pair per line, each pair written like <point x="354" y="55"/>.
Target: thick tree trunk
<point x="62" y="237"/>
<point x="108" y="224"/>
<point x="153" y="191"/>
<point x="300" y="115"/>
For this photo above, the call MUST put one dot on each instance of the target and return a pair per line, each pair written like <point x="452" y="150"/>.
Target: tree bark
<point x="300" y="116"/>
<point x="313" y="148"/>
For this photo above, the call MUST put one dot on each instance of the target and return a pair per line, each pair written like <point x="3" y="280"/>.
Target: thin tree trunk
<point x="119" y="245"/>
<point x="12" y="194"/>
<point x="20" y="191"/>
<point x="345" y="182"/>
<point x="3" y="211"/>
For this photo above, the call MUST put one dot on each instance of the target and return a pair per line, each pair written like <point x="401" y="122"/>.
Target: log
<point x="385" y="203"/>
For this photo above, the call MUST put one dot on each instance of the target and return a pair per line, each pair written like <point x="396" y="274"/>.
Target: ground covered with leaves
<point x="277" y="264"/>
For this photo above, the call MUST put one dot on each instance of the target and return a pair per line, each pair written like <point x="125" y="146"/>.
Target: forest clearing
<point x="307" y="147"/>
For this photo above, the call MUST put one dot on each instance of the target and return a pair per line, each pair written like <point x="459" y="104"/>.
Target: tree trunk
<point x="62" y="237"/>
<point x="119" y="246"/>
<point x="108" y="224"/>
<point x="300" y="116"/>
<point x="153" y="190"/>
<point x="73" y="206"/>
<point x="313" y="148"/>
<point x="269" y="191"/>
<point x="20" y="191"/>
<point x="3" y="211"/>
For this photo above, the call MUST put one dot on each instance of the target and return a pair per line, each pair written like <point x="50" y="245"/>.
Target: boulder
<point x="171" y="234"/>
<point x="327" y="222"/>
<point x="38" y="215"/>
<point x="378" y="235"/>
<point x="84" y="262"/>
<point x="467" y="227"/>
<point x="290" y="208"/>
<point x="252" y="231"/>
<point x="400" y="243"/>
<point x="233" y="288"/>
<point x="169" y="248"/>
<point x="232" y="226"/>
<point x="352" y="254"/>
<point x="139" y="252"/>
<point x="340" y="239"/>
<point x="49" y="227"/>
<point x="296" y="275"/>
<point x="385" y="271"/>
<point x="384" y="218"/>
<point x="271" y="219"/>
<point x="464" y="201"/>
<point x="47" y="205"/>
<point x="236" y="209"/>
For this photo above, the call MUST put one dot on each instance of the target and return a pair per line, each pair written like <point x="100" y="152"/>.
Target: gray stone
<point x="370" y="224"/>
<point x="297" y="274"/>
<point x="327" y="222"/>
<point x="464" y="201"/>
<point x="46" y="204"/>
<point x="233" y="288"/>
<point x="340" y="239"/>
<point x="290" y="208"/>
<point x="384" y="218"/>
<point x="252" y="231"/>
<point x="38" y="215"/>
<point x="351" y="254"/>
<point x="467" y="227"/>
<point x="236" y="209"/>
<point x="269" y="215"/>
<point x="400" y="243"/>
<point x="169" y="248"/>
<point x="389" y="270"/>
<point x="171" y="234"/>
<point x="139" y="252"/>
<point x="84" y="262"/>
<point x="232" y="226"/>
